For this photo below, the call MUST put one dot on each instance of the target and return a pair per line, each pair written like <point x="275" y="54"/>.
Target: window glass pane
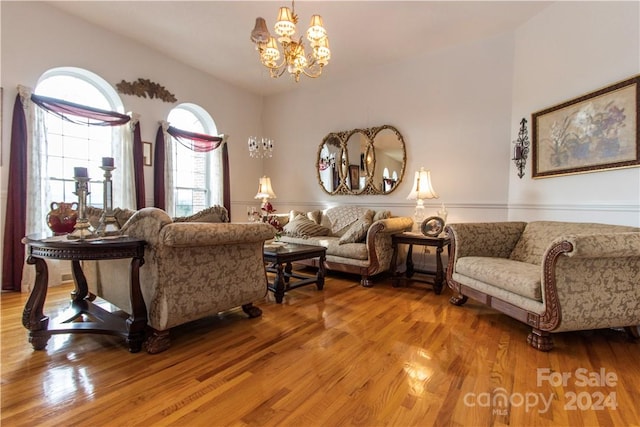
<point x="56" y="168"/>
<point x="71" y="145"/>
<point x="58" y="193"/>
<point x="191" y="168"/>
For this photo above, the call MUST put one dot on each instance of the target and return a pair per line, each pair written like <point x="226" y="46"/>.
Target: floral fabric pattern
<point x="586" y="276"/>
<point x="191" y="269"/>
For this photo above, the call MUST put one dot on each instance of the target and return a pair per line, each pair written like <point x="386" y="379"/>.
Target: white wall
<point x="453" y="109"/>
<point x="566" y="51"/>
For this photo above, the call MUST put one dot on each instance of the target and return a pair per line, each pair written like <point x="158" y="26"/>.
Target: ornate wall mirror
<point x="361" y="161"/>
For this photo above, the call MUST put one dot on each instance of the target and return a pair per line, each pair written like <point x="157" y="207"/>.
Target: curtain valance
<point x="197" y="142"/>
<point x="68" y="111"/>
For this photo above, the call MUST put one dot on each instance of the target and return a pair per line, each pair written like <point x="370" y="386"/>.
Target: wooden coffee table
<point x="280" y="257"/>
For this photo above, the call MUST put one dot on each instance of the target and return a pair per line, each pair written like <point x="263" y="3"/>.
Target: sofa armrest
<point x="490" y="239"/>
<point x="146" y="224"/>
<point x="591" y="282"/>
<point x="189" y="234"/>
<point x="396" y="224"/>
<point x="608" y="245"/>
<point x="379" y="245"/>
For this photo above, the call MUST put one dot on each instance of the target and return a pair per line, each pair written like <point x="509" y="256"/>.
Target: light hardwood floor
<point x="343" y="356"/>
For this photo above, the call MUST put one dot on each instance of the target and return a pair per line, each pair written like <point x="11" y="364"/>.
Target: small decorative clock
<point x="432" y="226"/>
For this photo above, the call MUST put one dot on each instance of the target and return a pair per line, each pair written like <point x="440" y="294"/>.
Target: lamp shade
<point x="264" y="189"/>
<point x="285" y="25"/>
<point x="316" y="31"/>
<point x="422" y="188"/>
<point x="260" y="33"/>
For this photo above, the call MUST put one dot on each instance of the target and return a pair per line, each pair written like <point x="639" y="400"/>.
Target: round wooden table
<point x="41" y="247"/>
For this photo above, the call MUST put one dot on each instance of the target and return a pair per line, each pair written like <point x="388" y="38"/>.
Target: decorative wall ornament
<point x="521" y="150"/>
<point x="144" y="87"/>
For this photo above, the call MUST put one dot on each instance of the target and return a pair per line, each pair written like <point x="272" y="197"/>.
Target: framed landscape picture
<point x="597" y="131"/>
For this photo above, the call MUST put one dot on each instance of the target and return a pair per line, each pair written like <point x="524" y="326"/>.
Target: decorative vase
<point x="62" y="217"/>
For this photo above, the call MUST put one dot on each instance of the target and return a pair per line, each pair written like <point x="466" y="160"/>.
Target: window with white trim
<point x="70" y="145"/>
<point x="197" y="176"/>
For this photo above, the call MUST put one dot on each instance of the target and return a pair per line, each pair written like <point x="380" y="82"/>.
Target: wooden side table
<point x="412" y="239"/>
<point x="40" y="247"/>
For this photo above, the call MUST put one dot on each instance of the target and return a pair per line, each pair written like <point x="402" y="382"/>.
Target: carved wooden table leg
<point x="287" y="271"/>
<point x="395" y="278"/>
<point x="279" y="283"/>
<point x="137" y="321"/>
<point x="33" y="317"/>
<point x="81" y="288"/>
<point x="321" y="273"/>
<point x="437" y="286"/>
<point x="410" y="268"/>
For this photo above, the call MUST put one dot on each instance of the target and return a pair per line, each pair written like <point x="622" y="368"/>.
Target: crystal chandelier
<point x="260" y="147"/>
<point x="294" y="58"/>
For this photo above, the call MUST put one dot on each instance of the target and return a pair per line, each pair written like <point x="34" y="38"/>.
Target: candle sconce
<point x="521" y="149"/>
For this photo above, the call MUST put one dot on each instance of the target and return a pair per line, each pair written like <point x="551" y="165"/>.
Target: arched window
<point x="197" y="176"/>
<point x="77" y="144"/>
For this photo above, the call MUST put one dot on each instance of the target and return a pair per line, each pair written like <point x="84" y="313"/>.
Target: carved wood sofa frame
<point x="542" y="324"/>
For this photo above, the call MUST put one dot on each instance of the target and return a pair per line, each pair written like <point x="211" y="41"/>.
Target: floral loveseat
<point x="358" y="239"/>
<point x="553" y="276"/>
<point x="192" y="269"/>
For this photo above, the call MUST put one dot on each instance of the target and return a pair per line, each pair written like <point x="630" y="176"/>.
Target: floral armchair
<point x="191" y="270"/>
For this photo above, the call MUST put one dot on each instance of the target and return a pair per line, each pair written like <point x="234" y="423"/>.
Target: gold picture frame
<point x="594" y="132"/>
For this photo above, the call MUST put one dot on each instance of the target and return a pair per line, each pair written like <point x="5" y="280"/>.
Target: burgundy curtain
<point x="158" y="171"/>
<point x="226" y="186"/>
<point x="68" y="111"/>
<point x="198" y="142"/>
<point x="15" y="222"/>
<point x="138" y="167"/>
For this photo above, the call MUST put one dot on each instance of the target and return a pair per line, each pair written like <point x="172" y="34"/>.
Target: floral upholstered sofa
<point x="193" y="267"/>
<point x="358" y="239"/>
<point x="553" y="276"/>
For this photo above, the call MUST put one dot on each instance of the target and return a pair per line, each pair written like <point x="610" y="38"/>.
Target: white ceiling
<point x="213" y="36"/>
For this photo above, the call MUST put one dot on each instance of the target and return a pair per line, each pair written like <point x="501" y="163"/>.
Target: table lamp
<point x="265" y="191"/>
<point x="422" y="189"/>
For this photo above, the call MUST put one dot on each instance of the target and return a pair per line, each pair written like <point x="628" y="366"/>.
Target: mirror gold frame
<point x="352" y="162"/>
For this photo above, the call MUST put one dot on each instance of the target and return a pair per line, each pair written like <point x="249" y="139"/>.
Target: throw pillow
<point x="213" y="214"/>
<point x="315" y="216"/>
<point x="357" y="232"/>
<point x="122" y="215"/>
<point x="301" y="226"/>
<point x="381" y="215"/>
<point x="341" y="217"/>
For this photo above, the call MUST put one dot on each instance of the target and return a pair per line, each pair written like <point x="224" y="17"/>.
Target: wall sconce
<point x="521" y="149"/>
